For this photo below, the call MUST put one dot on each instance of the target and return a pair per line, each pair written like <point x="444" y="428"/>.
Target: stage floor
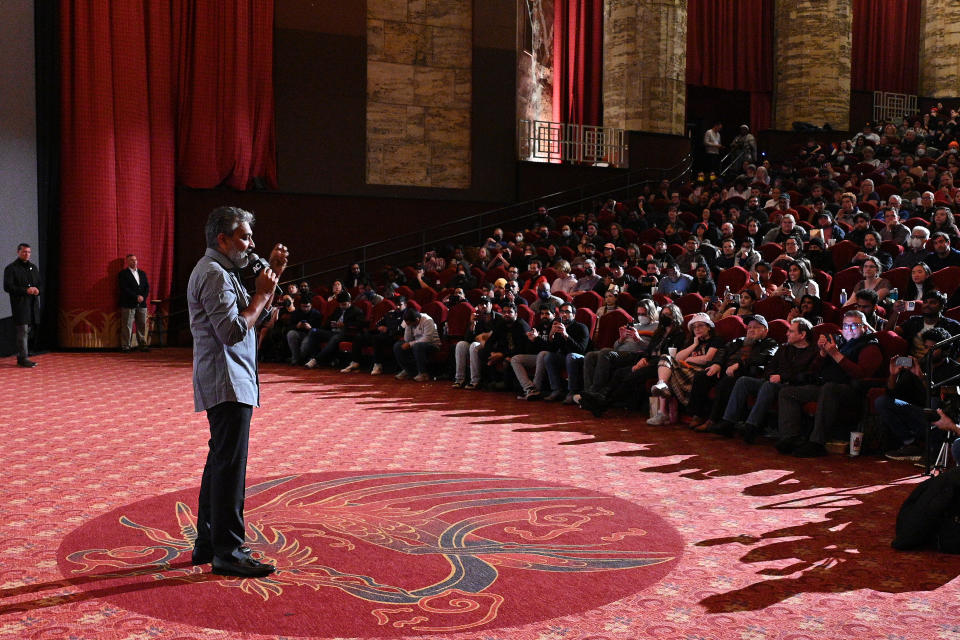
<point x="399" y="509"/>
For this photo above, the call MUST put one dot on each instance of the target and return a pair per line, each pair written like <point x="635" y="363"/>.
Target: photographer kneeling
<point x="901" y="410"/>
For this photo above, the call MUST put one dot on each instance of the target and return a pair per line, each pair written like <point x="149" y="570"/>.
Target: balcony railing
<point x="889" y="106"/>
<point x="542" y="141"/>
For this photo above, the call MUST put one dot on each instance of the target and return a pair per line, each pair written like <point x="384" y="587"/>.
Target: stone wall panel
<point x="812" y="62"/>
<point x="644" y="65"/>
<point x="419" y="92"/>
<point x="940" y="49"/>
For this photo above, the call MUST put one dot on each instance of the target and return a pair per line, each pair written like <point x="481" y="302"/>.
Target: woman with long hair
<point x="799" y="283"/>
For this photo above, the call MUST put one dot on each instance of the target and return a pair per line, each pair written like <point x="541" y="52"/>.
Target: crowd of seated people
<point x="759" y="304"/>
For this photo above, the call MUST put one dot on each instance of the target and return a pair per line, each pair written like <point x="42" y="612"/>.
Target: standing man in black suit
<point x="134" y="290"/>
<point x="21" y="279"/>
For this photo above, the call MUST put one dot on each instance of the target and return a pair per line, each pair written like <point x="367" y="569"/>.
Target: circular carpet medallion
<point x="380" y="554"/>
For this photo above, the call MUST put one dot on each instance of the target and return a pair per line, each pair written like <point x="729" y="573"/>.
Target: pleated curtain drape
<point x="153" y="93"/>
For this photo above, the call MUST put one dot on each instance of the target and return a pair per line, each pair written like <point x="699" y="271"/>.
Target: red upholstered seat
<point x="691" y="303"/>
<point x="731" y="328"/>
<point x="609" y="327"/>
<point x="587" y="317"/>
<point x="778" y="329"/>
<point x="458" y="319"/>
<point x="845" y="280"/>
<point x="735" y="277"/>
<point x="588" y="300"/>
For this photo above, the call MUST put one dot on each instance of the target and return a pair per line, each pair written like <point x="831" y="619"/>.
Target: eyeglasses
<point x="850" y="325"/>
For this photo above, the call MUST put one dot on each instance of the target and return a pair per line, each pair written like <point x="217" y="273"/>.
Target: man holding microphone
<point x="223" y="321"/>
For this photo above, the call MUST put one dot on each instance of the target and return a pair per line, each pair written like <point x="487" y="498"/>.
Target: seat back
<point x="691" y="303"/>
<point x="588" y="300"/>
<point x="526" y="314"/>
<point x="458" y="319"/>
<point x="735" y="277"/>
<point x="772" y="308"/>
<point x="438" y="311"/>
<point x="587" y="317"/>
<point x="381" y="309"/>
<point x="778" y="330"/>
<point x="845" y="279"/>
<point x="609" y="327"/>
<point x="731" y="328"/>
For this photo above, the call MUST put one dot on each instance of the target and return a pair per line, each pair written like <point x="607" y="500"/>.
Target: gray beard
<point x="239" y="258"/>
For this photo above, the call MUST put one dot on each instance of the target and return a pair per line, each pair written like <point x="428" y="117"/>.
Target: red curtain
<point x="225" y="128"/>
<point x="730" y="46"/>
<point x="578" y="61"/>
<point x="143" y="84"/>
<point x="886" y="45"/>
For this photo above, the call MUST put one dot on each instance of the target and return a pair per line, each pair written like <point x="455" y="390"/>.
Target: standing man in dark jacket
<point x="134" y="289"/>
<point x="21" y="279"/>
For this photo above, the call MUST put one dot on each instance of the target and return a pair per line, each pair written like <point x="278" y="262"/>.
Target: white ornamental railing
<point x="542" y="141"/>
<point x="889" y="106"/>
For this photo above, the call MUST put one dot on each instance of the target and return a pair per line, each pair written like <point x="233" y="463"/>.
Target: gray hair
<point x="225" y="220"/>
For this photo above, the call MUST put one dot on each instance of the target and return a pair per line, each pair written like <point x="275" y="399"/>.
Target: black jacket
<point x="508" y="339"/>
<point x="17" y="278"/>
<point x="129" y="289"/>
<point x="752" y="359"/>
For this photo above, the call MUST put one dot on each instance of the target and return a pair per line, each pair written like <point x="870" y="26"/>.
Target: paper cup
<point x="856" y="442"/>
<point x="672" y="351"/>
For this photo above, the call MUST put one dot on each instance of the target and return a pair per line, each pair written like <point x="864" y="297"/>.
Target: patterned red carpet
<point x="397" y="509"/>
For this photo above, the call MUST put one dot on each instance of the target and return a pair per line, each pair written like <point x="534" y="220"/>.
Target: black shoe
<point x="201" y="555"/>
<point x="722" y="428"/>
<point x="143" y="348"/>
<point x="242" y="564"/>
<point x="787" y="445"/>
<point x="810" y="450"/>
<point x="594" y="403"/>
<point x="748" y="432"/>
<point x="26" y="363"/>
<point x="124" y="349"/>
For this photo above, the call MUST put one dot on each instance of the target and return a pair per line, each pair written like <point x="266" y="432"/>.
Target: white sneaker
<point x="402" y="375"/>
<point x="422" y="377"/>
<point x="353" y="366"/>
<point x="659" y="419"/>
<point x="660" y="389"/>
<point x="311" y="363"/>
<point x="377" y="370"/>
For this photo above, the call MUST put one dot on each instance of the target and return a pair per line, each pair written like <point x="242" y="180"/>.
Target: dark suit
<point x="132" y="309"/>
<point x="19" y="276"/>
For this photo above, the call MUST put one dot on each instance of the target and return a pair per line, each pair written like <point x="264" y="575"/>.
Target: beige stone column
<point x="419" y="89"/>
<point x="940" y="49"/>
<point x="812" y="62"/>
<point x="645" y="65"/>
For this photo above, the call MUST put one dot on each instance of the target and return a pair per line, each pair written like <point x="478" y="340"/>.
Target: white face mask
<point x="566" y="233"/>
<point x="916" y="243"/>
<point x="643" y="320"/>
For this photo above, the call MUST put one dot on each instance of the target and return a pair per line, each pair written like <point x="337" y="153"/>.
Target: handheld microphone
<point x="256" y="265"/>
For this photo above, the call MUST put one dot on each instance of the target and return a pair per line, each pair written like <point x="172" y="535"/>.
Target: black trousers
<point x="220" y="513"/>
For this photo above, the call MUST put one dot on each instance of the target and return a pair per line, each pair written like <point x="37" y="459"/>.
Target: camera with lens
<point x="949" y="404"/>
